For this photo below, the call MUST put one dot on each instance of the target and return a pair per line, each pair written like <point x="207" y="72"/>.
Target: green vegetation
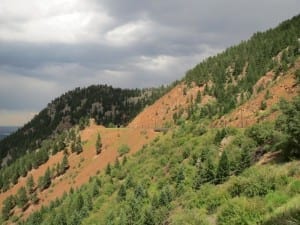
<point x="254" y="57"/>
<point x="123" y="149"/>
<point x="98" y="144"/>
<point x="107" y="105"/>
<point x="182" y="177"/>
<point x="196" y="173"/>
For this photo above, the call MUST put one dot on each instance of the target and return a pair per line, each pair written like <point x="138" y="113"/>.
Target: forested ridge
<point x="234" y="71"/>
<point x="107" y="105"/>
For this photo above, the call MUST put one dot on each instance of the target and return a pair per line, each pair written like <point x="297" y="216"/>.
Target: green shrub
<point x="211" y="197"/>
<point x="275" y="199"/>
<point x="295" y="187"/>
<point x="241" y="211"/>
<point x="287" y="217"/>
<point x="190" y="217"/>
<point x="123" y="149"/>
<point x="256" y="182"/>
<point x="262" y="133"/>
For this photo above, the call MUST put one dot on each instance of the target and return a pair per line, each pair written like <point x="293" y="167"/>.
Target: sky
<point x="50" y="47"/>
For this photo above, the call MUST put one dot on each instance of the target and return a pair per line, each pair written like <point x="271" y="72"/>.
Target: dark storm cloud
<point x="129" y="43"/>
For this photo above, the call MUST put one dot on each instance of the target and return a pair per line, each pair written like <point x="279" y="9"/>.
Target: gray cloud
<point x="49" y="47"/>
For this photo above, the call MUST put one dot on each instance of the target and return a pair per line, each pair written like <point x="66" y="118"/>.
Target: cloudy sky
<point x="49" y="47"/>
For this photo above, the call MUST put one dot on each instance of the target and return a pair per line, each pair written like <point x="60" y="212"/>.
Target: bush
<point x="275" y="199"/>
<point x="288" y="217"/>
<point x="123" y="149"/>
<point x="295" y="187"/>
<point x="211" y="197"/>
<point x="241" y="211"/>
<point x="191" y="217"/>
<point x="262" y="133"/>
<point x="256" y="182"/>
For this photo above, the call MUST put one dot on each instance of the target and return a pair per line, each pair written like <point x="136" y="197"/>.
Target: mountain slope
<point x="107" y="105"/>
<point x="197" y="173"/>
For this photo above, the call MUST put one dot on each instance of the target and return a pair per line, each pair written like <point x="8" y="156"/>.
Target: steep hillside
<point x="190" y="177"/>
<point x="84" y="165"/>
<point x="263" y="105"/>
<point x="107" y="105"/>
<point x="206" y="169"/>
<point x="161" y="113"/>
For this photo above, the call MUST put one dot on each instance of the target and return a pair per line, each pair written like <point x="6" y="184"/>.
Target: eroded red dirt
<point x="86" y="164"/>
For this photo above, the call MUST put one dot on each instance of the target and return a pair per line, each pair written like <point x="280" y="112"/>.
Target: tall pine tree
<point x="98" y="144"/>
<point x="223" y="169"/>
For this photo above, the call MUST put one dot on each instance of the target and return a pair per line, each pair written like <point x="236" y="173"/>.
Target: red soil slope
<point x="162" y="111"/>
<point x="250" y="113"/>
<point x="86" y="164"/>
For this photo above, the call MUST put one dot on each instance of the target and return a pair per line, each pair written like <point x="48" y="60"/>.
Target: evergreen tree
<point x="64" y="164"/>
<point x="122" y="193"/>
<point x="5" y="211"/>
<point x="47" y="178"/>
<point x="60" y="218"/>
<point x="30" y="184"/>
<point x="245" y="161"/>
<point x="34" y="198"/>
<point x="200" y="177"/>
<point x="223" y="169"/>
<point x="289" y="124"/>
<point x="78" y="203"/>
<point x="98" y="144"/>
<point x="124" y="160"/>
<point x="8" y="204"/>
<point x="209" y="171"/>
<point x="148" y="218"/>
<point x="108" y="169"/>
<point x="73" y="147"/>
<point x="78" y="145"/>
<point x="95" y="190"/>
<point x="180" y="176"/>
<point x="22" y="198"/>
<point x="117" y="163"/>
<point x="45" y="181"/>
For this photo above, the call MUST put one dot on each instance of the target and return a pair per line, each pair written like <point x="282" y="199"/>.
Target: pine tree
<point x="60" y="218"/>
<point x="108" y="169"/>
<point x="78" y="146"/>
<point x="47" y="178"/>
<point x="8" y="204"/>
<point x="149" y="218"/>
<point x="98" y="144"/>
<point x="64" y="164"/>
<point x="78" y="203"/>
<point x="209" y="171"/>
<point x="34" y="198"/>
<point x="223" y="169"/>
<point x="245" y="161"/>
<point x="30" y="184"/>
<point x="180" y="176"/>
<point x="124" y="160"/>
<point x="73" y="147"/>
<point x="117" y="163"/>
<point x="22" y="198"/>
<point x="45" y="181"/>
<point x="95" y="190"/>
<point x="122" y="193"/>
